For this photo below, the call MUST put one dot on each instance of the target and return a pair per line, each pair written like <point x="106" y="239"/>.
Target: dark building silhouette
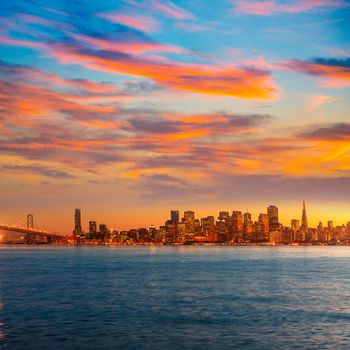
<point x="77" y="222"/>
<point x="174" y="216"/>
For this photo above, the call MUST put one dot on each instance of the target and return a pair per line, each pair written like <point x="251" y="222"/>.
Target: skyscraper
<point x="237" y="225"/>
<point x="272" y="212"/>
<point x="264" y="219"/>
<point x="92" y="229"/>
<point x="77" y="222"/>
<point x="174" y="216"/>
<point x="304" y="225"/>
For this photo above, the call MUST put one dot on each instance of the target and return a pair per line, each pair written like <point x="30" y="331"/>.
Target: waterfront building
<point x="320" y="232"/>
<point x="272" y="212"/>
<point x="275" y="237"/>
<point x="191" y="225"/>
<point x="237" y="226"/>
<point x="264" y="220"/>
<point x="92" y="229"/>
<point x="222" y="230"/>
<point x="170" y="231"/>
<point x="77" y="221"/>
<point x="175" y="216"/>
<point x="304" y="225"/>
<point x="248" y="228"/>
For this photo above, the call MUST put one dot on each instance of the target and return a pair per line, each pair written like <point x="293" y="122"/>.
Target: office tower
<point x="295" y="224"/>
<point x="188" y="215"/>
<point x="248" y="227"/>
<point x="330" y="226"/>
<point x="304" y="225"/>
<point x="320" y="232"/>
<point x="171" y="231"/>
<point x="330" y="230"/>
<point x="223" y="227"/>
<point x="247" y="217"/>
<point x="92" y="229"/>
<point x="272" y="212"/>
<point x="261" y="228"/>
<point x="224" y="216"/>
<point x="237" y="225"/>
<point x="295" y="227"/>
<point x="77" y="222"/>
<point x="190" y="224"/>
<point x="206" y="223"/>
<point x="264" y="219"/>
<point x="174" y="216"/>
<point x="104" y="231"/>
<point x="208" y="228"/>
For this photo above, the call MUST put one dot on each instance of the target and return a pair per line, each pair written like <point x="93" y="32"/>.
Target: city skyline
<point x="272" y="214"/>
<point x="138" y="106"/>
<point x="230" y="228"/>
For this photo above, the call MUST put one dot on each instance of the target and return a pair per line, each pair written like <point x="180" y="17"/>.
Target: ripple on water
<point x="175" y="297"/>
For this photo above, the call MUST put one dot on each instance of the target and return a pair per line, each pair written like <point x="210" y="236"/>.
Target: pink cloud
<point x="171" y="10"/>
<point x="332" y="72"/>
<point x="266" y="8"/>
<point x="143" y="23"/>
<point x="318" y="100"/>
<point x="128" y="47"/>
<point x="246" y="83"/>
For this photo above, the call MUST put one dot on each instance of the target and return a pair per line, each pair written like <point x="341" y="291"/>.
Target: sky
<point x="128" y="109"/>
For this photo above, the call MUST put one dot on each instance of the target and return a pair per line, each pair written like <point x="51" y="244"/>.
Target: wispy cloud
<point x="334" y="71"/>
<point x="170" y="9"/>
<point x="318" y="100"/>
<point x="270" y="7"/>
<point x="140" y="22"/>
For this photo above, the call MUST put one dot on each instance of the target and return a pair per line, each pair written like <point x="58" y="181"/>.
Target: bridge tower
<point x="30" y="238"/>
<point x="30" y="222"/>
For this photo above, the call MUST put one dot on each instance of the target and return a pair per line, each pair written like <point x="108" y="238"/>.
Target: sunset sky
<point x="128" y="109"/>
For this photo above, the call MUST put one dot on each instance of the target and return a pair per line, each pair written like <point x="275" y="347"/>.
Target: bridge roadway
<point x="52" y="237"/>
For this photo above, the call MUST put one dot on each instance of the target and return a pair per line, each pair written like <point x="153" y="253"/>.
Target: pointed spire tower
<point x="304" y="225"/>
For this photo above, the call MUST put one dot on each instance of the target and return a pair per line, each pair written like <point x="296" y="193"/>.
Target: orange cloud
<point x="335" y="72"/>
<point x="241" y="83"/>
<point x="136" y="47"/>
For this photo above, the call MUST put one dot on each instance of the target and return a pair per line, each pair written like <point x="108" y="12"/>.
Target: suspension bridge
<point x="26" y="232"/>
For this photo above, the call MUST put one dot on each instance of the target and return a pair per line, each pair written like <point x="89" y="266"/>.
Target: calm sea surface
<point x="174" y="297"/>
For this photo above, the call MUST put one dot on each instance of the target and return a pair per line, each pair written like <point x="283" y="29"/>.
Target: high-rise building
<point x="208" y="228"/>
<point x="174" y="216"/>
<point x="264" y="219"/>
<point x="248" y="227"/>
<point x="247" y="217"/>
<point x="104" y="232"/>
<point x="224" y="215"/>
<point x="191" y="225"/>
<point x="77" y="222"/>
<point x="189" y="215"/>
<point x="295" y="224"/>
<point x="330" y="230"/>
<point x="272" y="212"/>
<point x="92" y="229"/>
<point x="295" y="230"/>
<point x="237" y="225"/>
<point x="320" y="232"/>
<point x="261" y="228"/>
<point x="304" y="225"/>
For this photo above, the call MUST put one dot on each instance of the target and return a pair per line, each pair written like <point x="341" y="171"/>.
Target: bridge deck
<point x="34" y="232"/>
